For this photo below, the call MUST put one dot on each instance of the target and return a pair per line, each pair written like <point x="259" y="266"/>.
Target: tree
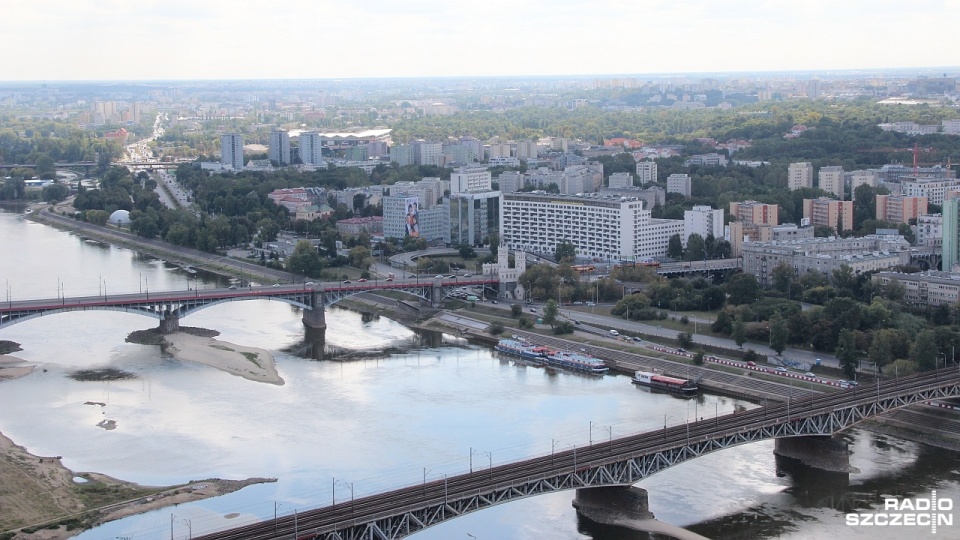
<point x="698" y="358"/>
<point x="924" y="351"/>
<point x="696" y="250"/>
<point x="495" y="328"/>
<point x="883" y="346"/>
<point x="55" y="192"/>
<point x="145" y="226"/>
<point x="550" y="312"/>
<point x="778" y="333"/>
<point x="685" y="339"/>
<point x="782" y="277"/>
<point x="739" y="332"/>
<point x="304" y="260"/>
<point x="467" y="251"/>
<point x="675" y="247"/>
<point x="563" y="327"/>
<point x="516" y="310"/>
<point x="847" y="353"/>
<point x="743" y="289"/>
<point x="566" y="251"/>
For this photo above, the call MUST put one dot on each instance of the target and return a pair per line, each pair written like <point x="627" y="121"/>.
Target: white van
<point x="614" y="333"/>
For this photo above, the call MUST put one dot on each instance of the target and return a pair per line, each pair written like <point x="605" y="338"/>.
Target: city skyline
<point x="179" y="40"/>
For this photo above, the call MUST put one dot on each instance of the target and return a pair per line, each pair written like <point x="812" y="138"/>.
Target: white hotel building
<point x="607" y="228"/>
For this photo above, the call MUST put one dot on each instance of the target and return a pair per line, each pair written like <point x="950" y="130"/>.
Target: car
<point x="614" y="333"/>
<point x="578" y="303"/>
<point x="591" y="304"/>
<point x="389" y="279"/>
<point x="345" y="281"/>
<point x="782" y="369"/>
<point x="362" y="280"/>
<point x="493" y="301"/>
<point x="466" y="275"/>
<point x="309" y="284"/>
<point x="637" y="339"/>
<point x="276" y="284"/>
<point x="452" y="276"/>
<point x="438" y="276"/>
<point x="681" y="349"/>
<point x="751" y="364"/>
<point x="576" y="321"/>
<point x="533" y="310"/>
<point x="232" y="287"/>
<point x="809" y="374"/>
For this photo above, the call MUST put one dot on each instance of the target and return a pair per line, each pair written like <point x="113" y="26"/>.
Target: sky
<point x="50" y="40"/>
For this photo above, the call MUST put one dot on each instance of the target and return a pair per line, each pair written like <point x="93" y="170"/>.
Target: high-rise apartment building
<point x="428" y="152"/>
<point x="753" y="212"/>
<point x="280" y="147"/>
<point x="951" y="235"/>
<point x="402" y="154"/>
<point x="679" y="183"/>
<point x="311" y="149"/>
<point x="527" y="149"/>
<point x="231" y="151"/>
<point x="646" y="172"/>
<point x="621" y="180"/>
<point x="470" y="179"/>
<point x="831" y="180"/>
<point x="829" y="212"/>
<point x="899" y="209"/>
<point x="799" y="175"/>
<point x="702" y="220"/>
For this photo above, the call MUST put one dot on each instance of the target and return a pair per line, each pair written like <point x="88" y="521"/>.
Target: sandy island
<point x="12" y="367"/>
<point x="38" y="490"/>
<point x="247" y="362"/>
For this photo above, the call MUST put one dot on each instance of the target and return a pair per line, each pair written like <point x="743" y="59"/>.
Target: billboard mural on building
<point x="413" y="217"/>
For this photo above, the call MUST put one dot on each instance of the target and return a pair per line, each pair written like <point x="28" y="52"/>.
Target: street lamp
<point x="591" y="432"/>
<point x="472" y="451"/>
<point x="610" y="433"/>
<point x="490" y="457"/>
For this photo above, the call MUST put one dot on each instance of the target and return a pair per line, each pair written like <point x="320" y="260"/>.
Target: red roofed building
<point x="119" y="135"/>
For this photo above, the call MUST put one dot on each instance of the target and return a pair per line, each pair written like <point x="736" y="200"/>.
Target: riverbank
<point x="40" y="499"/>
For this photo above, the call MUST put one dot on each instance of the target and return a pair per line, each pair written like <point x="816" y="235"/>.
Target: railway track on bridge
<point x="328" y="522"/>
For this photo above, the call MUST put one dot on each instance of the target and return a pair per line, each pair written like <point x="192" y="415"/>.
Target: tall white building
<point x="428" y="152"/>
<point x="280" y="147"/>
<point x="646" y="172"/>
<point x="311" y="148"/>
<point x="799" y="175"/>
<point x="231" y="151"/>
<point x="934" y="189"/>
<point x="702" y="220"/>
<point x="831" y="180"/>
<point x="679" y="183"/>
<point x="402" y="155"/>
<point x="470" y="179"/>
<point x="609" y="228"/>
<point x="860" y="178"/>
<point x="527" y="149"/>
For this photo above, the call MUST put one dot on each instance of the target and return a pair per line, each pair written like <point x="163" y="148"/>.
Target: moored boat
<point x="523" y="349"/>
<point x="576" y="361"/>
<point x="676" y="385"/>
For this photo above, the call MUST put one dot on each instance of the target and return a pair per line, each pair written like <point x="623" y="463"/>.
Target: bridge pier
<point x="169" y="323"/>
<point x="315" y="317"/>
<point x="613" y="505"/>
<point x="819" y="452"/>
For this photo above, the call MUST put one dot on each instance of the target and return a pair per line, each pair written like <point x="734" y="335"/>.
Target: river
<point x="337" y="429"/>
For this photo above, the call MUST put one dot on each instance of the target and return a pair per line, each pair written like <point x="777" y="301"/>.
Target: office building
<point x="900" y="209"/>
<point x="930" y="288"/>
<point x="474" y="216"/>
<point x="231" y="151"/>
<point x="280" y="147"/>
<point x="679" y="183"/>
<point x="608" y="228"/>
<point x="799" y="175"/>
<point x="702" y="220"/>
<point x="930" y="230"/>
<point x="403" y="216"/>
<point x="756" y="213"/>
<point x="830" y="179"/>
<point x="646" y="172"/>
<point x="829" y="212"/>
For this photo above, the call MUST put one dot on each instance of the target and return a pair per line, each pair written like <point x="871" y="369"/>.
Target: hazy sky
<point x="243" y="39"/>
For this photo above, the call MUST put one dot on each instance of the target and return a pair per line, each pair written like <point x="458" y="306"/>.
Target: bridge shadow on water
<point x="315" y="347"/>
<point x="815" y="493"/>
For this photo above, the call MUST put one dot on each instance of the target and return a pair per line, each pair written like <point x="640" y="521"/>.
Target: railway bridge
<point x="170" y="306"/>
<point x="603" y="464"/>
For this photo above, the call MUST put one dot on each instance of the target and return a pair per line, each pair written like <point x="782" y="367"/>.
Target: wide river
<point x="342" y="428"/>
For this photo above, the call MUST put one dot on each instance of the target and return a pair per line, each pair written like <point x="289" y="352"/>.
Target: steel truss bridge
<point x="617" y="462"/>
<point x="176" y="304"/>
